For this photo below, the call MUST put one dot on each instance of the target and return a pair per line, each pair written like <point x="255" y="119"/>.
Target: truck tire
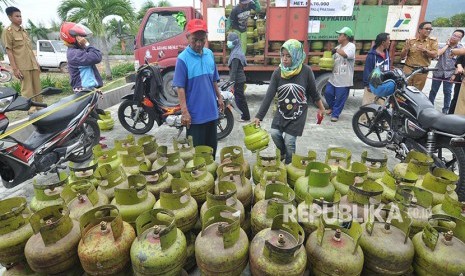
<point x="64" y="67"/>
<point x="171" y="94"/>
<point x="320" y="83"/>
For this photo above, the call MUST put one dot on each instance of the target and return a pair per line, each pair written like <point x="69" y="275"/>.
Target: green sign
<point x="366" y="22"/>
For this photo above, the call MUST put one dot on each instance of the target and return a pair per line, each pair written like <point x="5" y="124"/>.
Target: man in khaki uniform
<point x="419" y="52"/>
<point x="22" y="59"/>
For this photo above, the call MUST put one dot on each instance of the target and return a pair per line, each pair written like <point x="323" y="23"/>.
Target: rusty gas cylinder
<point x="267" y="159"/>
<point x="53" y="247"/>
<point x="222" y="246"/>
<point x="335" y="250"/>
<point x="106" y="241"/>
<point x="48" y="193"/>
<point x="15" y="230"/>
<point x="439" y="250"/>
<point x="82" y="172"/>
<point x="386" y="246"/>
<point x="278" y="250"/>
<point x="269" y="176"/>
<point x="206" y="153"/>
<point x="234" y="172"/>
<point x="390" y="182"/>
<point x="360" y="198"/>
<point x="185" y="146"/>
<point x="80" y="197"/>
<point x="179" y="200"/>
<point x="278" y="199"/>
<point x="134" y="200"/>
<point x="160" y="247"/>
<point x="158" y="180"/>
<point x="109" y="179"/>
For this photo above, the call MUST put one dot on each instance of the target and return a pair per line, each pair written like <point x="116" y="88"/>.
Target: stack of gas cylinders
<point x="141" y="208"/>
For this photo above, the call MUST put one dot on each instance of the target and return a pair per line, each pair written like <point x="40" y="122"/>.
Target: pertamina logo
<point x="403" y="21"/>
<point x="221" y="25"/>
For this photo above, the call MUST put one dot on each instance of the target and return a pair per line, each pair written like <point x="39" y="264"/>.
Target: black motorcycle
<point x="408" y="121"/>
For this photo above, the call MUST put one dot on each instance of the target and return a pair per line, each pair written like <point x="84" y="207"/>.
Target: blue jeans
<point x="284" y="142"/>
<point x="446" y="89"/>
<point x="336" y="98"/>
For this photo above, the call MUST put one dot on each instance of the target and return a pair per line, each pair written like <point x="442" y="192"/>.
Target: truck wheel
<point x="170" y="93"/>
<point x="321" y="82"/>
<point x="64" y="67"/>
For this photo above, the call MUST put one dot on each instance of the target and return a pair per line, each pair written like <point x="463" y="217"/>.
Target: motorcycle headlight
<point x="5" y="102"/>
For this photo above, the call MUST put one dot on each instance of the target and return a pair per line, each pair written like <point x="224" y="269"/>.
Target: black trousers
<point x="453" y="102"/>
<point x="204" y="135"/>
<point x="241" y="101"/>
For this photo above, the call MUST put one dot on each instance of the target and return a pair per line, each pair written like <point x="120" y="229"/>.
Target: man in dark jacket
<point x="238" y="19"/>
<point x="377" y="57"/>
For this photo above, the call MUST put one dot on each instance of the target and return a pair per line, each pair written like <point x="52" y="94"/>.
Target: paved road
<point x="315" y="137"/>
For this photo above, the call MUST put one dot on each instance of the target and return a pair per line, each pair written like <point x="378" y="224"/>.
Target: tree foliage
<point x="37" y="31"/>
<point x="143" y="10"/>
<point x="442" y="22"/>
<point x="457" y="20"/>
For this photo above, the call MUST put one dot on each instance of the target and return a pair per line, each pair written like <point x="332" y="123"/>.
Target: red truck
<point x="162" y="35"/>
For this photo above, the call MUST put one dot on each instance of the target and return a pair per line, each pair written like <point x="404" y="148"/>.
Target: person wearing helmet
<point x="82" y="58"/>
<point x="22" y="60"/>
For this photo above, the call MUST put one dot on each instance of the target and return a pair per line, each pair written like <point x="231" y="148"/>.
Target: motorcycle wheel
<point x="452" y="158"/>
<point x="92" y="138"/>
<point x="5" y="76"/>
<point x="140" y="125"/>
<point x="371" y="130"/>
<point x="225" y="124"/>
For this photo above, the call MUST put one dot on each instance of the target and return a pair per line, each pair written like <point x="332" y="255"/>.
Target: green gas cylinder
<point x="338" y="157"/>
<point x="269" y="175"/>
<point x="105" y="241"/>
<point x="278" y="250"/>
<point x="267" y="159"/>
<point x="235" y="154"/>
<point x="256" y="138"/>
<point x="109" y="179"/>
<point x="297" y="166"/>
<point x="206" y="153"/>
<point x="200" y="180"/>
<point x="82" y="172"/>
<point x="346" y="177"/>
<point x="376" y="165"/>
<point x="440" y="182"/>
<point x="160" y="247"/>
<point x="185" y="146"/>
<point x="149" y="143"/>
<point x="222" y="246"/>
<point x="234" y="172"/>
<point x="15" y="230"/>
<point x="47" y="194"/>
<point x="170" y="159"/>
<point x="179" y="200"/>
<point x="390" y="182"/>
<point x="134" y="200"/>
<point x="315" y="182"/>
<point x="158" y="180"/>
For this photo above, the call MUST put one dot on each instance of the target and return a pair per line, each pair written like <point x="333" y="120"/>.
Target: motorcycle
<point x="408" y="121"/>
<point x="139" y="111"/>
<point x="67" y="134"/>
<point x="5" y="75"/>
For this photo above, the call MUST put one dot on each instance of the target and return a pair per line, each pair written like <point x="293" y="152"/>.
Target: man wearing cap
<point x="419" y="51"/>
<point x="196" y="77"/>
<point x="342" y="78"/>
<point x="238" y="19"/>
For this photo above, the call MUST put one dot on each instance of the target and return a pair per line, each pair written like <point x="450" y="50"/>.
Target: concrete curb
<point x="110" y="98"/>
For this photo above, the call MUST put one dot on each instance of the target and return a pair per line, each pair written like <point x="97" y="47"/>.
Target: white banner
<point x="331" y="7"/>
<point x="402" y="21"/>
<point x="216" y="24"/>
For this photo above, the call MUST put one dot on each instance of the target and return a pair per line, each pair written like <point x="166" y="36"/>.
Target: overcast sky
<point x="45" y="10"/>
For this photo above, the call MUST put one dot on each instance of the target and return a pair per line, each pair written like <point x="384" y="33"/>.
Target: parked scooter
<point x="68" y="134"/>
<point x="408" y="121"/>
<point x="139" y="111"/>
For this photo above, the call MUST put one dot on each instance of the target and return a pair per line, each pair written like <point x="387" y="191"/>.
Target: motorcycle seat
<point x="59" y="119"/>
<point x="452" y="124"/>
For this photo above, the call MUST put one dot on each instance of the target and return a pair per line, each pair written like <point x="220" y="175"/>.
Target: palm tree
<point x="119" y="29"/>
<point x="6" y="3"/>
<point x="143" y="10"/>
<point x="163" y="3"/>
<point x="92" y="13"/>
<point x="54" y="25"/>
<point x="36" y="31"/>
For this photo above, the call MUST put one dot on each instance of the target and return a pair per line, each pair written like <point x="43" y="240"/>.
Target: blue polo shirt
<point x="196" y="73"/>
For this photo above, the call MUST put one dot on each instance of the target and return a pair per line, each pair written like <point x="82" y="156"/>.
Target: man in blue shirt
<point x="196" y="78"/>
